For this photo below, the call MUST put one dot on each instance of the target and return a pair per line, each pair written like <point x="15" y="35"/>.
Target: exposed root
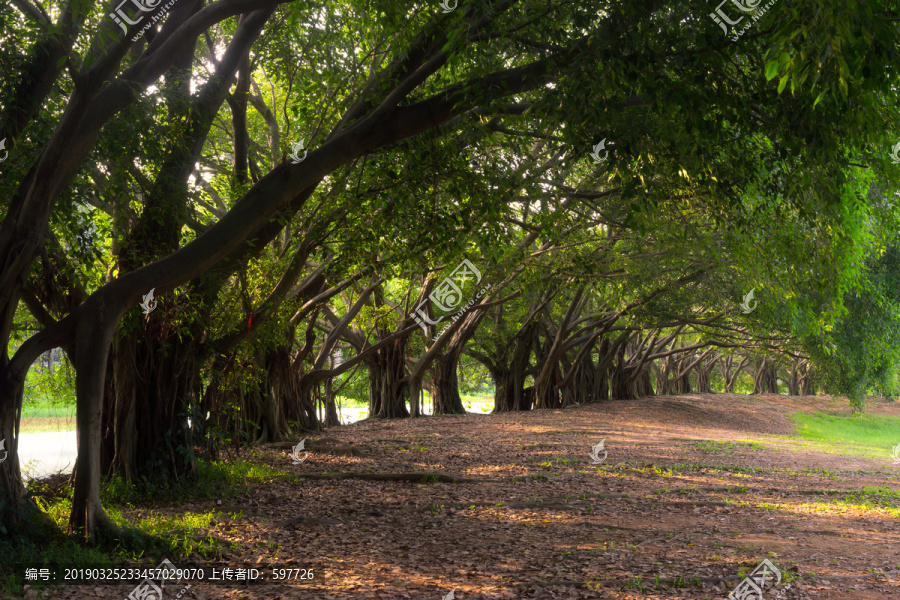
<point x="322" y="445"/>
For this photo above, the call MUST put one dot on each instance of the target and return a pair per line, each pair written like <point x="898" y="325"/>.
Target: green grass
<point x="217" y="480"/>
<point x="868" y="435"/>
<point x="880" y="499"/>
<point x="147" y="532"/>
<point x="725" y="447"/>
<point x="46" y="409"/>
<point x="39" y="552"/>
<point x="46" y="414"/>
<point x="874" y="498"/>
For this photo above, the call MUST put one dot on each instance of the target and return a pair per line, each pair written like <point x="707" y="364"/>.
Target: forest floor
<point x="695" y="492"/>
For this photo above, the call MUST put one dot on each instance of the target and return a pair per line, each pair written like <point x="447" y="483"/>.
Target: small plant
<point x="636" y="583"/>
<point x="416" y="448"/>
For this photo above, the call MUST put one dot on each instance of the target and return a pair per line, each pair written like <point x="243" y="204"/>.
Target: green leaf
<point x="771" y="70"/>
<point x="783" y="82"/>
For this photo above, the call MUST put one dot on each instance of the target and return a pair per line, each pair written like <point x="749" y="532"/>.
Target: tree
<point x="695" y="121"/>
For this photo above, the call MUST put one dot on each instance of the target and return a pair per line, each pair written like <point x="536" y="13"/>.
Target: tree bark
<point x="154" y="380"/>
<point x="627" y="385"/>
<point x="630" y="379"/>
<point x="704" y="371"/>
<point x="546" y="384"/>
<point x="605" y="356"/>
<point x="331" y="415"/>
<point x="415" y="388"/>
<point x="807" y="386"/>
<point x="94" y="335"/>
<point x="765" y="380"/>
<point x="12" y="491"/>
<point x="446" y="387"/>
<point x="508" y="366"/>
<point x="729" y="376"/>
<point x="387" y="393"/>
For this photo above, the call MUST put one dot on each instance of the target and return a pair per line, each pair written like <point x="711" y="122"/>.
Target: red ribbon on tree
<point x="249" y="322"/>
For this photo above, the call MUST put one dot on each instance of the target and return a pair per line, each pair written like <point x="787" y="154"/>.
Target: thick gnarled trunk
<point x="765" y="380"/>
<point x="704" y="383"/>
<point x="630" y="379"/>
<point x="509" y="379"/>
<point x="387" y="391"/>
<point x="627" y="384"/>
<point x="331" y="415"/>
<point x="509" y="390"/>
<point x="12" y="491"/>
<point x="151" y="386"/>
<point x="548" y="395"/>
<point x="446" y="387"/>
<point x="807" y="386"/>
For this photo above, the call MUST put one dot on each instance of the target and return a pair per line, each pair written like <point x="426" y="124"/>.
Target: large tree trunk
<point x="266" y="411"/>
<point x="765" y="380"/>
<point x="798" y="380"/>
<point x="18" y="513"/>
<point x="578" y="382"/>
<point x="154" y="381"/>
<point x="793" y="379"/>
<point x="11" y="489"/>
<point x="509" y="380"/>
<point x="415" y="403"/>
<point x="601" y="373"/>
<point x="509" y="390"/>
<point x="704" y="385"/>
<point x="331" y="415"/>
<point x="548" y="395"/>
<point x="446" y="385"/>
<point x="682" y="385"/>
<point x="387" y="392"/>
<point x="282" y="400"/>
<point x="94" y="337"/>
<point x="644" y="384"/>
<point x="415" y="391"/>
<point x="628" y="385"/>
<point x="807" y="386"/>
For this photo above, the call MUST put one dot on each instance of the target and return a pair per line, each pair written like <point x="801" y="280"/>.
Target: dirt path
<point x="671" y="514"/>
